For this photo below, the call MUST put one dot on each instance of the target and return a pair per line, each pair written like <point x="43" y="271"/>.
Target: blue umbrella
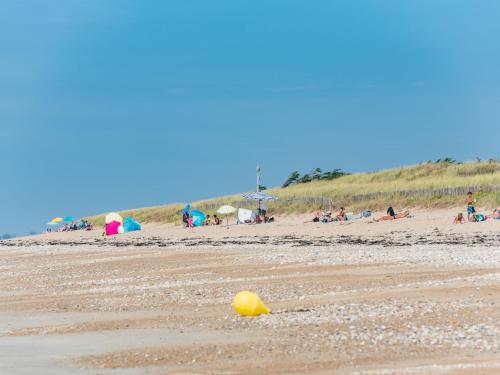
<point x="69" y="219"/>
<point x="198" y="218"/>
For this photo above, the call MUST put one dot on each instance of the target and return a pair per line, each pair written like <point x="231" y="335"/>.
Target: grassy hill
<point x="425" y="185"/>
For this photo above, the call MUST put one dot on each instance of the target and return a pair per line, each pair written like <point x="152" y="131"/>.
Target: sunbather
<point x="317" y="217"/>
<point x="208" y="220"/>
<point x="217" y="220"/>
<point x="459" y="219"/>
<point x="392" y="215"/>
<point x="327" y="217"/>
<point x="341" y="216"/>
<point x="495" y="214"/>
<point x="479" y="217"/>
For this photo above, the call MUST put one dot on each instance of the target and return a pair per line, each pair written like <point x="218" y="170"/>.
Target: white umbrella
<point x="226" y="210"/>
<point x="113" y="216"/>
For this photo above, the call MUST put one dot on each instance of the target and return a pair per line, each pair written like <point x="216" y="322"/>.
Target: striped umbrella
<point x="260" y="196"/>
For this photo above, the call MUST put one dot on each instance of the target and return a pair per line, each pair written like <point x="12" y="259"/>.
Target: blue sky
<point x="107" y="105"/>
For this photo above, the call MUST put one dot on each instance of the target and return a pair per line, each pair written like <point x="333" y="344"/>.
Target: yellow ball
<point x="249" y="304"/>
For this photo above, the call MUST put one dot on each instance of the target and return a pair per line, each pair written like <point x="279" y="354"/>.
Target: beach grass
<point x="425" y="185"/>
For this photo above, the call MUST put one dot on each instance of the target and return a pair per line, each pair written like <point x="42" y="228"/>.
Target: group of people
<point x="83" y="224"/>
<point x="188" y="220"/>
<point x="261" y="217"/>
<point x="391" y="214"/>
<point x="341" y="215"/>
<point x="212" y="221"/>
<point x="258" y="216"/>
<point x="472" y="214"/>
<point x="328" y="216"/>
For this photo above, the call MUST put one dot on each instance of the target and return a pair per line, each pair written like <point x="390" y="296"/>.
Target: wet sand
<point x="416" y="296"/>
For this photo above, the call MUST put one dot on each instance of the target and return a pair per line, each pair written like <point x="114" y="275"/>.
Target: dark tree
<point x="305" y="178"/>
<point x="316" y="174"/>
<point x="292" y="179"/>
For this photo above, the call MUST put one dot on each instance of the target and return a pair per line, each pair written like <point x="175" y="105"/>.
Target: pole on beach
<point x="258" y="183"/>
<point x="258" y="178"/>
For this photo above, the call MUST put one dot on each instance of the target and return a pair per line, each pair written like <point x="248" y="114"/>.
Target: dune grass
<point x="423" y="186"/>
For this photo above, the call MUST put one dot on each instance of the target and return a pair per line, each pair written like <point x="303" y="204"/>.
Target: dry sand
<point x="416" y="296"/>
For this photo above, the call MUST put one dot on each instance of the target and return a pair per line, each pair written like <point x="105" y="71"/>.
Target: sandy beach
<point x="413" y="296"/>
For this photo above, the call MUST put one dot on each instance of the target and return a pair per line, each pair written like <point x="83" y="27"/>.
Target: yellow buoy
<point x="249" y="304"/>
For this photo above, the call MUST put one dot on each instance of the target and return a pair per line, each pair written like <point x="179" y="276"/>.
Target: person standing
<point x="262" y="208"/>
<point x="471" y="210"/>
<point x="185" y="215"/>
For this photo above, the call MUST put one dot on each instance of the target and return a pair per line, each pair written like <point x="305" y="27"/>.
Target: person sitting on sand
<point x="317" y="216"/>
<point x="495" y="214"/>
<point x="217" y="220"/>
<point x="479" y="217"/>
<point x="392" y="215"/>
<point x="208" y="220"/>
<point x="327" y="217"/>
<point x="459" y="219"/>
<point x="341" y="216"/>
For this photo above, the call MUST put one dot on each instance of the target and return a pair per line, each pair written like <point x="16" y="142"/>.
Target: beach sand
<point x="413" y="296"/>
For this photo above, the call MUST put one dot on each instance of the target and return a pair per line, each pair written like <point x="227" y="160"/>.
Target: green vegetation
<point x="433" y="184"/>
<point x="316" y="175"/>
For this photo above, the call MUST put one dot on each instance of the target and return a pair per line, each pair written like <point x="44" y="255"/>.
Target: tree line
<point x="315" y="175"/>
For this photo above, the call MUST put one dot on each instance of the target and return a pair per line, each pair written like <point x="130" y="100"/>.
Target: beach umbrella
<point x="198" y="218"/>
<point x="226" y="210"/>
<point x="260" y="196"/>
<point x="69" y="219"/>
<point x="113" y="216"/>
<point x="57" y="220"/>
<point x="52" y="223"/>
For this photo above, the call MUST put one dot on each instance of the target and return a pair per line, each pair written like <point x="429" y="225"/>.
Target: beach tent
<point x="112" y="228"/>
<point x="245" y="215"/>
<point x="113" y="216"/>
<point x="198" y="218"/>
<point x="131" y="225"/>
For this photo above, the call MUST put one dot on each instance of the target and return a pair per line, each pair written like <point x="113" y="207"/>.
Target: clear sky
<point x="107" y="105"/>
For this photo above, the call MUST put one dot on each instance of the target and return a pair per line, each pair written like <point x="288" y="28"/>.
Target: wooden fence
<point x="327" y="203"/>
